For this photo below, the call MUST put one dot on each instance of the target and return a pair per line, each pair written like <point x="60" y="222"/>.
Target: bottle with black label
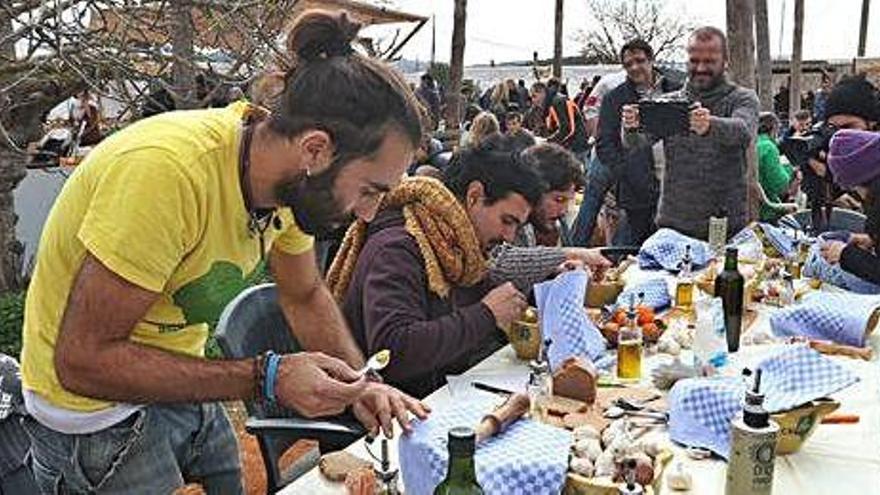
<point x="730" y="287"/>
<point x="752" y="447"/>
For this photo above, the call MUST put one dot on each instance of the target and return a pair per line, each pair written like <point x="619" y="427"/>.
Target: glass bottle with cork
<point x="461" y="477"/>
<point x="630" y="347"/>
<point x="684" y="288"/>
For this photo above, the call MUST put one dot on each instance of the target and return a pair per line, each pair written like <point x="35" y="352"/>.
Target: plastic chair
<point x="841" y="219"/>
<point x="253" y="323"/>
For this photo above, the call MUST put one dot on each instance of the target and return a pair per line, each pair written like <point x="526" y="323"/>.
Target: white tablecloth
<point x="836" y="460"/>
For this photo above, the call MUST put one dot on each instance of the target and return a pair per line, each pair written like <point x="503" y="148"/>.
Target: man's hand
<point x="700" y="120"/>
<point x="506" y="304"/>
<point x="380" y="403"/>
<point x="315" y="384"/>
<point x="592" y="258"/>
<point x="862" y="241"/>
<point x="819" y="168"/>
<point x="832" y="250"/>
<point x="630" y="117"/>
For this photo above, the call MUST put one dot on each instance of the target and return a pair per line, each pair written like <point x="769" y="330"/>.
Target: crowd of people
<point x="439" y="253"/>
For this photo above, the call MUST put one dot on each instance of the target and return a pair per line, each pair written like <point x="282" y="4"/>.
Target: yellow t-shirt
<point x="160" y="204"/>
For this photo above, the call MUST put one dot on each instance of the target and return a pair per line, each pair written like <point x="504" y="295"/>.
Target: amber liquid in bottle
<point x="629" y="359"/>
<point x="684" y="287"/>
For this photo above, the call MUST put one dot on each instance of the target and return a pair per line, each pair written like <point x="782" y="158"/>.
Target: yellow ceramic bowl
<point x="602" y="294"/>
<point x="525" y="337"/>
<point x="796" y="425"/>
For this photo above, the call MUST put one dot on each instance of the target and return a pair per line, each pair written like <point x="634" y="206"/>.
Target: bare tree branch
<point x="619" y="21"/>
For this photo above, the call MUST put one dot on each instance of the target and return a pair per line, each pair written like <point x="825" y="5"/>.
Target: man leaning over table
<point x="416" y="280"/>
<point x="161" y="226"/>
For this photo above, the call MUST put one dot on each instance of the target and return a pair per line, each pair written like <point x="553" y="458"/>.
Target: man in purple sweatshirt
<point x="389" y="303"/>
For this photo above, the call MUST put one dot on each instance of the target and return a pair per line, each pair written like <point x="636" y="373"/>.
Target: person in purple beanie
<point x="854" y="159"/>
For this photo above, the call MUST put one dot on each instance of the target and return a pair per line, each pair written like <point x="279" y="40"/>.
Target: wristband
<point x="272" y="362"/>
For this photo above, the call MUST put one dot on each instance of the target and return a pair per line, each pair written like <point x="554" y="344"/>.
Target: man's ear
<point x="474" y="194"/>
<point x="316" y="148"/>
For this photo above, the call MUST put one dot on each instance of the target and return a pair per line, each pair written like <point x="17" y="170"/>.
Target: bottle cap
<point x="462" y="441"/>
<point x="754" y="414"/>
<point x="732" y="251"/>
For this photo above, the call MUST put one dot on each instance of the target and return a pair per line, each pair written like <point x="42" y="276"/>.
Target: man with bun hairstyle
<point x="167" y="221"/>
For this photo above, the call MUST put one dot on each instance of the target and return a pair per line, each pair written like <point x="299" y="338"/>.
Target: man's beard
<point x="707" y="80"/>
<point x="315" y="208"/>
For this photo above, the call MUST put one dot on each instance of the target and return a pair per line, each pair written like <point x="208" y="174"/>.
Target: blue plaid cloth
<point x="563" y="319"/>
<point x="655" y="290"/>
<point x="701" y="409"/>
<point x="665" y="249"/>
<point x="528" y="458"/>
<point x="817" y="267"/>
<point x="798" y="375"/>
<point x="783" y="243"/>
<point x="841" y="318"/>
<point x="748" y="244"/>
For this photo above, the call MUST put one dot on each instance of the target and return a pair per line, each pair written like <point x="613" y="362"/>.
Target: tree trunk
<point x="741" y="41"/>
<point x="12" y="171"/>
<point x="797" y="53"/>
<point x="456" y="66"/>
<point x="863" y="30"/>
<point x="182" y="40"/>
<point x="557" y="41"/>
<point x="765" y="64"/>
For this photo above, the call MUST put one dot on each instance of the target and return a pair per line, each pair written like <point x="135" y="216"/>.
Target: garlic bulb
<point x="588" y="449"/>
<point x="586" y="432"/>
<point x="582" y="466"/>
<point x="605" y="465"/>
<point x="678" y="478"/>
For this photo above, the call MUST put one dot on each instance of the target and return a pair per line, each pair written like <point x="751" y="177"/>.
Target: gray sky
<point x="506" y="30"/>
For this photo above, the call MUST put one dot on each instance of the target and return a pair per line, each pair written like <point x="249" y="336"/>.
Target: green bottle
<point x="729" y="286"/>
<point x="461" y="479"/>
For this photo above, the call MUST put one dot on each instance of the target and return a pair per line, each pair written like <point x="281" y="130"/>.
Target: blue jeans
<point x="598" y="183"/>
<point x="156" y="450"/>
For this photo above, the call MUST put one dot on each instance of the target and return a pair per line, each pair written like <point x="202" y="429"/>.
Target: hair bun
<point x="320" y="34"/>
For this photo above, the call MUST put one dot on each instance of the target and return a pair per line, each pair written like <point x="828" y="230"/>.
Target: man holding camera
<point x="633" y="169"/>
<point x="705" y="168"/>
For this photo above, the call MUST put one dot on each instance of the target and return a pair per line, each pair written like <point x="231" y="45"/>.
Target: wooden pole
<point x="741" y="41"/>
<point x="863" y="30"/>
<point x="456" y="66"/>
<point x="557" y="41"/>
<point x="765" y="63"/>
<point x="794" y="99"/>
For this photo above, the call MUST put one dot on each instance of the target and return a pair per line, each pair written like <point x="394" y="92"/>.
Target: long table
<point x="836" y="459"/>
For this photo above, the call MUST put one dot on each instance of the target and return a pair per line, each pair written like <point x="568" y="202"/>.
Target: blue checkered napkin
<point x="655" y="290"/>
<point x="528" y="458"/>
<point x="838" y="317"/>
<point x="748" y="244"/>
<point x="783" y="243"/>
<point x="664" y="250"/>
<point x="701" y="410"/>
<point x="817" y="267"/>
<point x="561" y="310"/>
<point x="798" y="375"/>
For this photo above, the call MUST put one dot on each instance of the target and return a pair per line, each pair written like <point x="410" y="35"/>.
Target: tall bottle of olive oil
<point x="729" y="286"/>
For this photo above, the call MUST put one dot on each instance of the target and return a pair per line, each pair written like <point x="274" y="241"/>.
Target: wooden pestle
<point x="842" y="350"/>
<point x="513" y="408"/>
